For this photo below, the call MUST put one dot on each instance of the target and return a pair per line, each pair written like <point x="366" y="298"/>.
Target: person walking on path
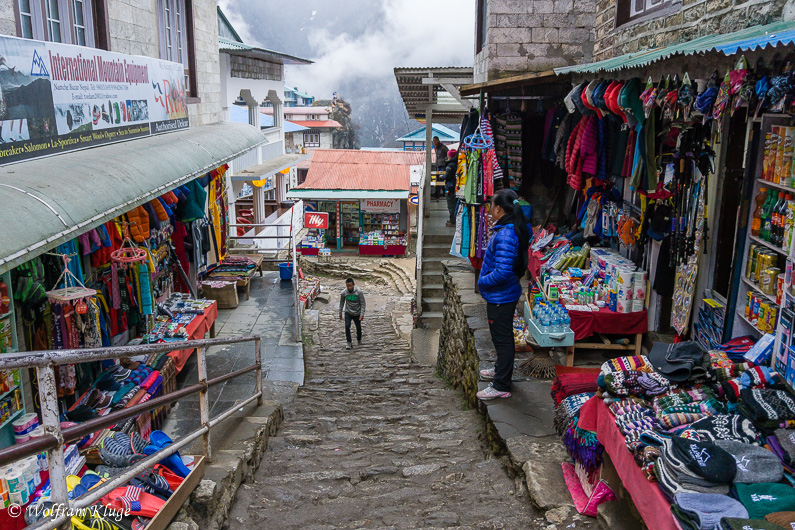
<point x="352" y="304"/>
<point x="441" y="159"/>
<point x="504" y="264"/>
<point x="449" y="184"/>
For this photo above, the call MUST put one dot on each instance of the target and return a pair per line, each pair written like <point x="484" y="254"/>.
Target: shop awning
<point x="506" y="83"/>
<point x="434" y="88"/>
<point x="345" y="195"/>
<point x="271" y="167"/>
<point x="749" y="39"/>
<point x="48" y="201"/>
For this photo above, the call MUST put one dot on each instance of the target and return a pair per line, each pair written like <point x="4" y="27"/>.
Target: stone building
<point x="627" y="26"/>
<point x="134" y="27"/>
<point x="518" y="36"/>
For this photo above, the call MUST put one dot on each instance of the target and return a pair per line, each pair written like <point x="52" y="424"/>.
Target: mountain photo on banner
<point x="355" y="45"/>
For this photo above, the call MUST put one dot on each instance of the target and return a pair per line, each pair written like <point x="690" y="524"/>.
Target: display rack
<point x="350" y="223"/>
<point x="8" y="329"/>
<point x="313" y="242"/>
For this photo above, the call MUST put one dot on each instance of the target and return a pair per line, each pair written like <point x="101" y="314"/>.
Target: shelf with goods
<point x="12" y="401"/>
<point x="382" y="229"/>
<point x="350" y="223"/>
<point x="314" y="240"/>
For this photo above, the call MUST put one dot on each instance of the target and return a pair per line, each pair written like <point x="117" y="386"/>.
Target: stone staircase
<point x="436" y="247"/>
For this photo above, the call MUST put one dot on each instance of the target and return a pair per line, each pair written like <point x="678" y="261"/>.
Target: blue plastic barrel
<point x="286" y="271"/>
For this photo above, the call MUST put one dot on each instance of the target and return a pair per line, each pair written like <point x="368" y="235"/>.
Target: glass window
<point x="168" y="29"/>
<point x="26" y="19"/>
<point x="178" y="8"/>
<point x="53" y="21"/>
<point x="79" y="23"/>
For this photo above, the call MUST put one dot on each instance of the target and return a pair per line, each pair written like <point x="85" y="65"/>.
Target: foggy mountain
<point x="355" y="45"/>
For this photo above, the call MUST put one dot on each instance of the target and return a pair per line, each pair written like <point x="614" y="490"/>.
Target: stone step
<point x="438" y="238"/>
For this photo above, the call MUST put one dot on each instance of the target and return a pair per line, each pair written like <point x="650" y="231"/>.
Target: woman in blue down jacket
<point x="504" y="264"/>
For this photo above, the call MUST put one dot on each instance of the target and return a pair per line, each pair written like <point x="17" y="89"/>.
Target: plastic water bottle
<point x="554" y="323"/>
<point x="565" y="322"/>
<point x="545" y="322"/>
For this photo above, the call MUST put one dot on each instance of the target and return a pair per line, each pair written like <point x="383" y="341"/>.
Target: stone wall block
<point x="546" y="35"/>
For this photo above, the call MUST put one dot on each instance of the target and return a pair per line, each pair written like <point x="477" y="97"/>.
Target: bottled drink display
<point x="756" y="223"/>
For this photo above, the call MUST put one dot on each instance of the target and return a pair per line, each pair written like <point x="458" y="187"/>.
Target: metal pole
<point x="420" y="235"/>
<point x="48" y="397"/>
<point x="204" y="403"/>
<point x="258" y="362"/>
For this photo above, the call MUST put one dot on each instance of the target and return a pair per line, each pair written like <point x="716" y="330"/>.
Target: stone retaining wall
<point x="465" y="343"/>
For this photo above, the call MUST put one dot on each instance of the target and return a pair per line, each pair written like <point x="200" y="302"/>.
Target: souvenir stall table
<point x="654" y="508"/>
<point x="239" y="269"/>
<point x="599" y="300"/>
<point x="190" y="320"/>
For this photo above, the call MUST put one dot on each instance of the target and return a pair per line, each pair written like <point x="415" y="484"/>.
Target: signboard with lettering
<point x="380" y="205"/>
<point x="316" y="220"/>
<point x="58" y="97"/>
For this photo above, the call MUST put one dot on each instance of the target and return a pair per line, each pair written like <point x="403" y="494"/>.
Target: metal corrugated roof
<point x="269" y="167"/>
<point x="244" y="50"/>
<point x="349" y="169"/>
<point x="440" y="130"/>
<point x="318" y="124"/>
<point x="756" y="37"/>
<point x="418" y="96"/>
<point x="239" y="114"/>
<point x="39" y="212"/>
<point x="345" y="195"/>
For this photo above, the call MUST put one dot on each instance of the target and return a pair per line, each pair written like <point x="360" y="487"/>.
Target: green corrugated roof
<point x="39" y="211"/>
<point x="226" y="44"/>
<point x="751" y="38"/>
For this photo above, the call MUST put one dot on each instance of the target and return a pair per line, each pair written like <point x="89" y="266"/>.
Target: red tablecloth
<point x="197" y="329"/>
<point x="586" y="323"/>
<point x="651" y="503"/>
<point x="381" y="250"/>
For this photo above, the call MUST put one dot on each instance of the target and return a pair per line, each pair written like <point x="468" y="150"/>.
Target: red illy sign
<point x="316" y="220"/>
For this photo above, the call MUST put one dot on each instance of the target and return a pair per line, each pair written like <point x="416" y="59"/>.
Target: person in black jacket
<point x="441" y="159"/>
<point x="450" y="182"/>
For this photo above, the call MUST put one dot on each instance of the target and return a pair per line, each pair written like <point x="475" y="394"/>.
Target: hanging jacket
<point x="139" y="227"/>
<point x="589" y="147"/>
<point x="497" y="282"/>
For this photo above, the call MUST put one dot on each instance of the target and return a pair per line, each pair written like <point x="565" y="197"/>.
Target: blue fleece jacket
<point x="497" y="282"/>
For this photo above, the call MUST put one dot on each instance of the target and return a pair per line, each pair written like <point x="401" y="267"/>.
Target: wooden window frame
<point x="311" y="144"/>
<point x="187" y="30"/>
<point x="481" y="25"/>
<point x="94" y="22"/>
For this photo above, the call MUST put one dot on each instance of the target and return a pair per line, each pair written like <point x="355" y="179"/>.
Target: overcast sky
<point x="357" y="41"/>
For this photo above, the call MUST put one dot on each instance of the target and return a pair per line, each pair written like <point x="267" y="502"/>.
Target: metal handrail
<point x="55" y="438"/>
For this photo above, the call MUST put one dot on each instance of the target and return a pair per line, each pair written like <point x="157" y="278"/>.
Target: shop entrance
<point x="350" y="225"/>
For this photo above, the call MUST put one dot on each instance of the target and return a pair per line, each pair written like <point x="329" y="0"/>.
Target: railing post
<point x="204" y="402"/>
<point x="258" y="361"/>
<point x="48" y="397"/>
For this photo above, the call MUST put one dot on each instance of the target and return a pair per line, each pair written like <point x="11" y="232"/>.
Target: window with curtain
<point x="66" y="21"/>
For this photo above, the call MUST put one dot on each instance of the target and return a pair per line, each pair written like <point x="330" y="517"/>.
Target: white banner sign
<point x="58" y="97"/>
<point x="380" y="205"/>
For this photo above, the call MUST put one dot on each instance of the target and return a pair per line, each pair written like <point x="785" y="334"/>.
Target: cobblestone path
<point x="373" y="441"/>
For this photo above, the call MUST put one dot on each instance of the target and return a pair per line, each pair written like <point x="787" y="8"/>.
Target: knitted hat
<point x="725" y="427"/>
<point x="728" y="523"/>
<point x="785" y="519"/>
<point x="766" y="406"/>
<point x="678" y="362"/>
<point x="706" y="509"/>
<point x="762" y="499"/>
<point x="754" y="464"/>
<point x="786" y="439"/>
<point x="705" y="459"/>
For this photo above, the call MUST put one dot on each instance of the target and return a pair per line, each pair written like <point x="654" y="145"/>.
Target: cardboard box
<point x="225" y="296"/>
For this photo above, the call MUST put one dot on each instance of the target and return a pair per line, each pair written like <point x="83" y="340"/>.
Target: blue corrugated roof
<point x="756" y="37"/>
<point x="239" y="114"/>
<point x="445" y="134"/>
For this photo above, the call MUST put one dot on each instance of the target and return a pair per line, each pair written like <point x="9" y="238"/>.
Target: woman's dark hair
<point x="508" y="200"/>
